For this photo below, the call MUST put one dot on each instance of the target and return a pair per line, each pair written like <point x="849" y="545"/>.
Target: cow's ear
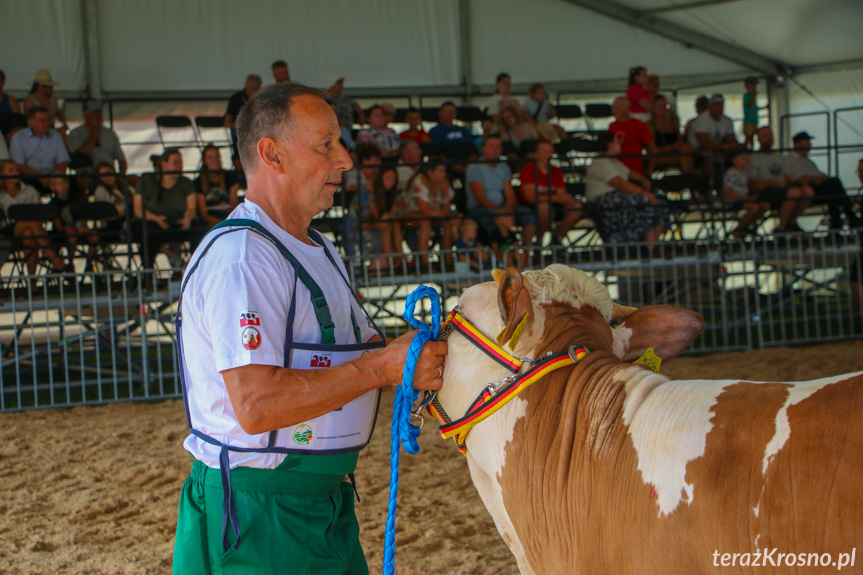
<point x="516" y="307"/>
<point x="667" y="329"/>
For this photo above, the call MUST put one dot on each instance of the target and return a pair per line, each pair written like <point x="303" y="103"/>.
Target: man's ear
<point x="667" y="329"/>
<point x="270" y="155"/>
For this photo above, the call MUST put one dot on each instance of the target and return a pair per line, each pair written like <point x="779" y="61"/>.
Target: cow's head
<point x="519" y="308"/>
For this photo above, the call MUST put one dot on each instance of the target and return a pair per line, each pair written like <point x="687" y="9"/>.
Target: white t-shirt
<point x="243" y="272"/>
<point x="766" y="166"/>
<point x="26" y="195"/>
<point x="798" y="166"/>
<point x="599" y="173"/>
<point x="717" y="130"/>
<point x="497" y="102"/>
<point x="103" y="195"/>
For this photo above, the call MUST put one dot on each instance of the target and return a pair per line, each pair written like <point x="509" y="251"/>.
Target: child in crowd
<point x="488" y="128"/>
<point x="66" y="227"/>
<point x="415" y="130"/>
<point x="750" y="109"/>
<point x="736" y="182"/>
<point x="372" y="209"/>
<point x="504" y="241"/>
<point x="467" y="242"/>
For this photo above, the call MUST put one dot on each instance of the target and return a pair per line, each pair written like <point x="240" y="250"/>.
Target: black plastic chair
<point x="172" y="125"/>
<point x="212" y="126"/>
<point x="459" y="149"/>
<point x="596" y="112"/>
<point x="42" y="213"/>
<point x="10" y="120"/>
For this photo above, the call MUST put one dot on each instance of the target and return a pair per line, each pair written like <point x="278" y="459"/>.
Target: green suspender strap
<point x="322" y="310"/>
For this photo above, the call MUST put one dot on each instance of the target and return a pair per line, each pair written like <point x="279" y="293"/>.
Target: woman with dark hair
<point x="514" y="129"/>
<point x="630" y="211"/>
<point x="373" y="207"/>
<point x="640" y="99"/>
<point x="216" y="188"/>
<point x="427" y="202"/>
<point x="42" y="94"/>
<point x="31" y="235"/>
<point x="665" y="128"/>
<point x="111" y="189"/>
<point x="379" y="134"/>
<point x="501" y="98"/>
<point x="164" y="205"/>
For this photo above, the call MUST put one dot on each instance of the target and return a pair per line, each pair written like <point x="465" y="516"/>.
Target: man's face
<point x="60" y="186"/>
<point x="252" y="86"/>
<point x="39" y="124"/>
<point x="765" y="138"/>
<point x="377" y="119"/>
<point x="281" y="74"/>
<point x="10" y="169"/>
<point x="447" y="115"/>
<point x="370" y="167"/>
<point x="313" y="157"/>
<point x="544" y="152"/>
<point x="504" y="85"/>
<point x="803" y="146"/>
<point x="716" y="109"/>
<point x="491" y="149"/>
<point x="411" y="154"/>
<point x="413" y="119"/>
<point x="620" y="109"/>
<point x="93" y="118"/>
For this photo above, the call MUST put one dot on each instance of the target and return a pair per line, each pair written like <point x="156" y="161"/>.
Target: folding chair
<point x="99" y="213"/>
<point x="596" y="112"/>
<point x="42" y="213"/>
<point x="10" y="120"/>
<point x="180" y="130"/>
<point x="212" y="130"/>
<point x="469" y="115"/>
<point x="429" y="115"/>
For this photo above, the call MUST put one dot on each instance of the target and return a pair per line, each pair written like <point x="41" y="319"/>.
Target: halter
<point x="494" y="395"/>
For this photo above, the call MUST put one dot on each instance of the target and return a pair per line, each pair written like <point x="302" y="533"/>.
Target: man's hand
<point x="427" y="375"/>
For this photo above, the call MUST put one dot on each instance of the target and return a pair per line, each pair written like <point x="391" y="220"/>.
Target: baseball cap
<point x="717" y="97"/>
<point x="802" y="136"/>
<point x="332" y="79"/>
<point x="92" y="106"/>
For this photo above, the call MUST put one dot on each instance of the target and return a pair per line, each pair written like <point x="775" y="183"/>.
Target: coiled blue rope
<point x="404" y="431"/>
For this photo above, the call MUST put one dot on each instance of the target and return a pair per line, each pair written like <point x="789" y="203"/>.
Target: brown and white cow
<point x="605" y="467"/>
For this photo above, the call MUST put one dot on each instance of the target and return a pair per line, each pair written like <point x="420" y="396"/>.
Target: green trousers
<point x="290" y="522"/>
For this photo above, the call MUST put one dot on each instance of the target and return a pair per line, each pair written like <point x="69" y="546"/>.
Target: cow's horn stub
<point x="622" y="311"/>
<point x="498" y="274"/>
<point x="515" y="305"/>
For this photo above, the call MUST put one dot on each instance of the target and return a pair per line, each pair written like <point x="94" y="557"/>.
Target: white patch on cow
<point x="757" y="537"/>
<point x="668" y="422"/>
<point x="755" y="509"/>
<point x="796" y="394"/>
<point x="620" y="344"/>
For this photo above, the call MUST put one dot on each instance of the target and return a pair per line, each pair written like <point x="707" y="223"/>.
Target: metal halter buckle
<point x="571" y="352"/>
<point x="492" y="388"/>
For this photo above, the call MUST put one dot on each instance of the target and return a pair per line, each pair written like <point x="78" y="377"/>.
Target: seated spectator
<point x="164" y="205"/>
<point x="379" y="134"/>
<point x="539" y="111"/>
<point x="373" y="210"/>
<point x="31" y="235"/>
<point x="504" y="242"/>
<point x="491" y="190"/>
<point x="446" y="131"/>
<point x="415" y="130"/>
<point x="769" y="180"/>
<point x="737" y="195"/>
<point x="235" y="104"/>
<point x="514" y="129"/>
<point x="68" y="229"/>
<point x="467" y="245"/>
<point x="633" y="135"/>
<point x="42" y="96"/>
<point x="629" y="211"/>
<point x="348" y="112"/>
<point x="426" y="203"/>
<point x="488" y="128"/>
<point x="828" y="191"/>
<point x="501" y="98"/>
<point x="281" y="73"/>
<point x="410" y="157"/>
<point x="542" y="186"/>
<point x="110" y="188"/>
<point x="654" y="86"/>
<point x="8" y="105"/>
<point x="38" y="149"/>
<point x="215" y="189"/>
<point x="712" y="134"/>
<point x="389" y="111"/>
<point x="97" y="142"/>
<point x="665" y="129"/>
<point x="640" y="99"/>
<point x="366" y="168"/>
<point x="701" y="103"/>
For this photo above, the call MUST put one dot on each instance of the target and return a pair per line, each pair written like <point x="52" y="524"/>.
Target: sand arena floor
<point x="93" y="490"/>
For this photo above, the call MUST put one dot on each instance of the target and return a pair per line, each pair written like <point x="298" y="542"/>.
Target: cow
<point x="605" y="467"/>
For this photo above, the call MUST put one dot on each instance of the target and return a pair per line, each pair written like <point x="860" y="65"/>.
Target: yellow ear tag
<point x="519" y="330"/>
<point x="650" y="359"/>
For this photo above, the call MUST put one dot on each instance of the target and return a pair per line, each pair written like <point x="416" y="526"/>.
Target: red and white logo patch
<point x="321" y="360"/>
<point x="251" y="338"/>
<point x="249" y="317"/>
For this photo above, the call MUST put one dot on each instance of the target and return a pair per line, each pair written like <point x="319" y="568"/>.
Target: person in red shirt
<point x="536" y="191"/>
<point x="634" y="135"/>
<point x="640" y="98"/>
<point x="415" y="130"/>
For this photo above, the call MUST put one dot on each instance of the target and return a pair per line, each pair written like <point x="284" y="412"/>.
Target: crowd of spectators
<point x="492" y="183"/>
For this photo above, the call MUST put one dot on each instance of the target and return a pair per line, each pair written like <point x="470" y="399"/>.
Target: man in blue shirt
<point x="446" y="131"/>
<point x="39" y="150"/>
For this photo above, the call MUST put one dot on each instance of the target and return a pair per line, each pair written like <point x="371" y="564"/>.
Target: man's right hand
<point x="426" y="376"/>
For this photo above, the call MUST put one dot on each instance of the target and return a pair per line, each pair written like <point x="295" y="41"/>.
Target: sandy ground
<point x="93" y="490"/>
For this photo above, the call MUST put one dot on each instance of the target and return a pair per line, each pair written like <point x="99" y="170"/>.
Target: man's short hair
<point x="267" y="114"/>
<point x="254" y="78"/>
<point x="447" y="103"/>
<point x="403" y="145"/>
<point x="365" y="151"/>
<point x="604" y="140"/>
<point x="534" y="88"/>
<point x="412" y="109"/>
<point x="33" y="110"/>
<point x="279" y="64"/>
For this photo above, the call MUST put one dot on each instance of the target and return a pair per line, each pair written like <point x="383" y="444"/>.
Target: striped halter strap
<point x="494" y="395"/>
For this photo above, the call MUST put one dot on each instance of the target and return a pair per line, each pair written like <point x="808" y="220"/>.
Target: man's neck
<point x="290" y="220"/>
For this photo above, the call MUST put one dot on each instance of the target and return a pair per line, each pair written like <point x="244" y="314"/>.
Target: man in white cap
<point x="348" y="111"/>
<point x="712" y="134"/>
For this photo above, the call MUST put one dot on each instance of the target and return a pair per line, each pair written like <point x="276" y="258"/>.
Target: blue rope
<point x="404" y="431"/>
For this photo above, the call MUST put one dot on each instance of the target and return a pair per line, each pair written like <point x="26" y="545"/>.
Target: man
<point x="829" y="191"/>
<point x="769" y="181"/>
<point x="542" y="186"/>
<point x="39" y="150"/>
<point x="235" y="104"/>
<point x="347" y="110"/>
<point x="712" y="134"/>
<point x="99" y="143"/>
<point x="633" y="134"/>
<point x="446" y="131"/>
<point x="491" y="190"/>
<point x="281" y="74"/>
<point x="410" y="156"/>
<point x="287" y="380"/>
